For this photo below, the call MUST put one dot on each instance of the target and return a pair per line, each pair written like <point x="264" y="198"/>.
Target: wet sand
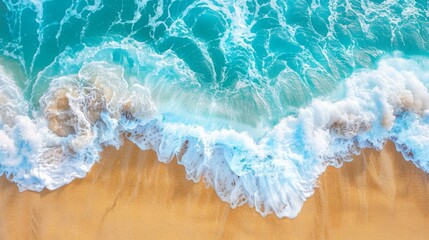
<point x="130" y="195"/>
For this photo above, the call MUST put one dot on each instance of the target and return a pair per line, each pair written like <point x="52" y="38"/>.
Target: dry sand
<point x="130" y="195"/>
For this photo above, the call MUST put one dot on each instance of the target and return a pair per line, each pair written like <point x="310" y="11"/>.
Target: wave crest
<point x="81" y="113"/>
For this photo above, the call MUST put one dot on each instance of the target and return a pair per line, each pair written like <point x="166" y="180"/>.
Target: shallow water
<point x="256" y="97"/>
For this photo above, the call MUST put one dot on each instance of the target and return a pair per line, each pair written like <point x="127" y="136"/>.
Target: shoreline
<point x="129" y="194"/>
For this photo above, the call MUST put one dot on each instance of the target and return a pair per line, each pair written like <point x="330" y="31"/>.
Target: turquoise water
<point x="263" y="95"/>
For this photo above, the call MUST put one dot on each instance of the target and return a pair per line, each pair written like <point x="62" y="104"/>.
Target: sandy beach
<point x="130" y="195"/>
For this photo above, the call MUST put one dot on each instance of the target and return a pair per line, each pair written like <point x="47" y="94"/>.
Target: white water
<point x="276" y="173"/>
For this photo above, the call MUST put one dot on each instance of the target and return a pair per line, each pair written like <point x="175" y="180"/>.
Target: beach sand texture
<point x="130" y="195"/>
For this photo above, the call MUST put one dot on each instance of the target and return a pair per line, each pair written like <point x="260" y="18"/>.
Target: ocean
<point x="257" y="98"/>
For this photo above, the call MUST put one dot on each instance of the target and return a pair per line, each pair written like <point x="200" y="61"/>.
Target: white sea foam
<point x="81" y="113"/>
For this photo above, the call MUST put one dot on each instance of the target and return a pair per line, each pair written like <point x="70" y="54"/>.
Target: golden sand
<point x="130" y="195"/>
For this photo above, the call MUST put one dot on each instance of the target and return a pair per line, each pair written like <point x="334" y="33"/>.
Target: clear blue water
<point x="261" y="96"/>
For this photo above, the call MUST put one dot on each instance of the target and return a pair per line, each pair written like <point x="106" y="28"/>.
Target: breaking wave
<point x="237" y="93"/>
